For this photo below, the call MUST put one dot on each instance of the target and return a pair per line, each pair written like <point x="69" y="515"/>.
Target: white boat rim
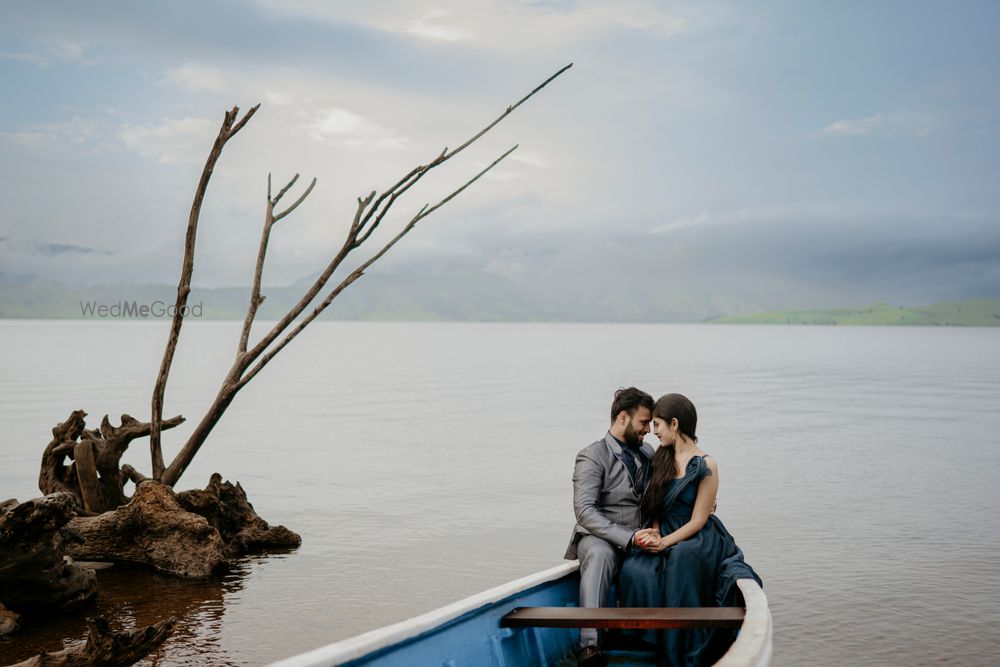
<point x="368" y="642"/>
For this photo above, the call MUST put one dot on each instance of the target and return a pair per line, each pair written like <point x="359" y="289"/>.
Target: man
<point x="608" y="482"/>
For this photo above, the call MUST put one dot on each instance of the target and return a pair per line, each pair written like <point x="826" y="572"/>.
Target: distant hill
<point x="375" y="298"/>
<point x="967" y="313"/>
<point x="474" y="297"/>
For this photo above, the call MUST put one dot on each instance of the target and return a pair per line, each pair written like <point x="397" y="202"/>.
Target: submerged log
<point x="225" y="506"/>
<point x="35" y="571"/>
<point x="152" y="529"/>
<point x="105" y="648"/>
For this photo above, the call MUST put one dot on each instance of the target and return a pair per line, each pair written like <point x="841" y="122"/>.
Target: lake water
<point x="422" y="463"/>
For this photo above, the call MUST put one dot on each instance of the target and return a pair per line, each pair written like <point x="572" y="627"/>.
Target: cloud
<point x="198" y="78"/>
<point x="642" y="17"/>
<point x="352" y="129"/>
<point x="76" y="130"/>
<point x="679" y="223"/>
<point x="54" y="249"/>
<point x="677" y="120"/>
<point x="34" y="58"/>
<point x="849" y="128"/>
<point x="55" y="50"/>
<point x="67" y="49"/>
<point x="497" y="25"/>
<point x="433" y="26"/>
<point x="172" y="141"/>
<point x="909" y="122"/>
<point x="529" y="159"/>
<point x="858" y="254"/>
<point x="340" y="121"/>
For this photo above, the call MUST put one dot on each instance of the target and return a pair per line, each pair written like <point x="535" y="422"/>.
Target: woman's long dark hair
<point x="667" y="408"/>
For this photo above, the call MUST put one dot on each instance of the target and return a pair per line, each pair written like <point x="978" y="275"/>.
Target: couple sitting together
<point x="645" y="519"/>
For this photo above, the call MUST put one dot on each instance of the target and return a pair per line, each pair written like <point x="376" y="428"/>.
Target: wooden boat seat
<point x="632" y="618"/>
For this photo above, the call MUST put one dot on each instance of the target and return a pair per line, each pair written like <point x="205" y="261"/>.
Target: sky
<point x="786" y="153"/>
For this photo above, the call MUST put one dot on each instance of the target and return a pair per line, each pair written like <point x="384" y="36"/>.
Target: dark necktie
<point x="630" y="457"/>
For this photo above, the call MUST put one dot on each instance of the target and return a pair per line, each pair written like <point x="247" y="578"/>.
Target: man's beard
<point x="631" y="437"/>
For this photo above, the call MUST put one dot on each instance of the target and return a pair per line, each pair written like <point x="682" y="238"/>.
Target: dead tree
<point x="371" y="211"/>
<point x="190" y="534"/>
<point x="93" y="475"/>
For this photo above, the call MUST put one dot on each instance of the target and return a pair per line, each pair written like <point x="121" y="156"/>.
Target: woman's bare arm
<point x="708" y="487"/>
<point x="707" y="490"/>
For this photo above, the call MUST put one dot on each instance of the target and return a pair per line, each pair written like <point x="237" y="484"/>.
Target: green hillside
<point x="966" y="313"/>
<point x="479" y="298"/>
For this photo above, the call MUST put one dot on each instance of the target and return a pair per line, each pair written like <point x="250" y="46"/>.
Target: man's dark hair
<point x="629" y="400"/>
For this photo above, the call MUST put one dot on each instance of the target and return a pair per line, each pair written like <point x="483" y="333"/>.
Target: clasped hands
<point x="649" y="540"/>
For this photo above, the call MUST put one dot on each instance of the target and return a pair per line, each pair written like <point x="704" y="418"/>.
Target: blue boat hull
<point x="468" y="633"/>
<point x="477" y="634"/>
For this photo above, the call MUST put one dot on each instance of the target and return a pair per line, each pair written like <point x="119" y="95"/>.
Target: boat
<point x="484" y="630"/>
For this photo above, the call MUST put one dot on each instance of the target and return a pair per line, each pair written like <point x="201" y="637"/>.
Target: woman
<point x="686" y="557"/>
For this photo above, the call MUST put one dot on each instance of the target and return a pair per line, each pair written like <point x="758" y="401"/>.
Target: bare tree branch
<point x="398" y="189"/>
<point x="249" y="115"/>
<point x="506" y="113"/>
<point x="269" y="220"/>
<point x="298" y="201"/>
<point x="370" y="213"/>
<point x="356" y="224"/>
<point x="283" y="190"/>
<point x="358" y="272"/>
<point x="230" y="126"/>
<point x="401" y="186"/>
<point x="255" y="298"/>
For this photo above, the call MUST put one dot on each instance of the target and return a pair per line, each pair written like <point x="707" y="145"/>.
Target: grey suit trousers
<point x="606" y="506"/>
<point x="599" y="565"/>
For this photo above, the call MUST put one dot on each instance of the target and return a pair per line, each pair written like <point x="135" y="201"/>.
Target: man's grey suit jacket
<point x="604" y="501"/>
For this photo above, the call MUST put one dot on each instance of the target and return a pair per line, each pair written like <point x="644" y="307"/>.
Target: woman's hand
<point x="657" y="546"/>
<point x="646" y="537"/>
<point x="649" y="540"/>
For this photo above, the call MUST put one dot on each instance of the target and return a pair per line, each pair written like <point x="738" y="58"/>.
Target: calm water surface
<point x="422" y="463"/>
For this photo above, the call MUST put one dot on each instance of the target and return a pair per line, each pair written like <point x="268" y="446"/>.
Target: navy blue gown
<point x="700" y="571"/>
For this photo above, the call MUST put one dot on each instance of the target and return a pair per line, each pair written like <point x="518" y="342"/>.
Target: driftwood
<point x="9" y="621"/>
<point x="105" y="648"/>
<point x="192" y="534"/>
<point x="154" y="530"/>
<point x="93" y="476"/>
<point x="226" y="508"/>
<point x="35" y="571"/>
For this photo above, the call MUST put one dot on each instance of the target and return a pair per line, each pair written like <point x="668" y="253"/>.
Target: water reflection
<point x="131" y="597"/>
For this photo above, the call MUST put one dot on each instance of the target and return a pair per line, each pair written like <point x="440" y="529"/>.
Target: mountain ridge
<point x="472" y="297"/>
